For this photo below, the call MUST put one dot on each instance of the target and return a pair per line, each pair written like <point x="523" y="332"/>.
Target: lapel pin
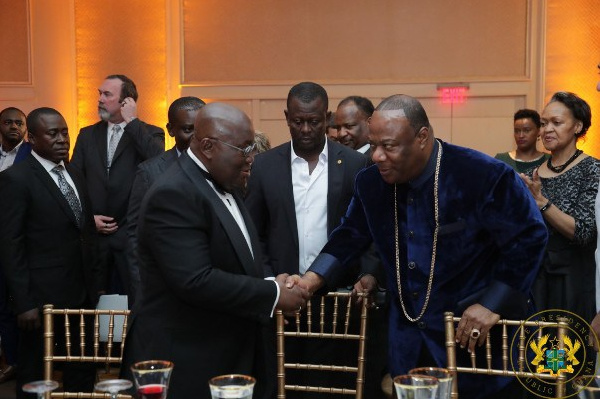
<point x="339" y="161"/>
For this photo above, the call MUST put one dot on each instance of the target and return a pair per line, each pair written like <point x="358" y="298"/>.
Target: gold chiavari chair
<point x="334" y="326"/>
<point x="507" y="369"/>
<point x="101" y="353"/>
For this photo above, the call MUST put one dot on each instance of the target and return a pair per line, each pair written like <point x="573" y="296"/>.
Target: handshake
<point x="295" y="291"/>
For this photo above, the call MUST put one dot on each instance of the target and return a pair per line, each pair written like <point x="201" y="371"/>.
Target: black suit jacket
<point x="147" y="173"/>
<point x="270" y="201"/>
<point x="203" y="292"/>
<point x="46" y="257"/>
<point x="109" y="189"/>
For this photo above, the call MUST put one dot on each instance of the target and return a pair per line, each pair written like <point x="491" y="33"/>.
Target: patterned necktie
<point x="113" y="142"/>
<point x="69" y="193"/>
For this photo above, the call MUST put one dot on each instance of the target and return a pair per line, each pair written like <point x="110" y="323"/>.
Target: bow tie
<point x="220" y="189"/>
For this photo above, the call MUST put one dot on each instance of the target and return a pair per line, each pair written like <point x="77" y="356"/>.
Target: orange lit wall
<point x="572" y="56"/>
<point x="129" y="38"/>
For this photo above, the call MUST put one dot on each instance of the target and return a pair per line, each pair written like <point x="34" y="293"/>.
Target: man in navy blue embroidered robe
<point x="490" y="241"/>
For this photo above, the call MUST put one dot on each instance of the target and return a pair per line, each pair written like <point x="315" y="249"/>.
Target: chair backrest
<point x="333" y="324"/>
<point x="100" y="352"/>
<point x="506" y="370"/>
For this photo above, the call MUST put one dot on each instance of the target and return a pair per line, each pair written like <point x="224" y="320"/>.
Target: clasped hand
<point x="291" y="297"/>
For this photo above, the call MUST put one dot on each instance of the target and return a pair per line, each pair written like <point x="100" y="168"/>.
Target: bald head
<point x="408" y="107"/>
<point x="222" y="141"/>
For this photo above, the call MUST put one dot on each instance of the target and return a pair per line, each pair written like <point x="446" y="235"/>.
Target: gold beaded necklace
<point x="435" y="237"/>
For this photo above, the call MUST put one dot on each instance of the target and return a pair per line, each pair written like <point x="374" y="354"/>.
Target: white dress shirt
<point x="7" y="158"/>
<point x="109" y="132"/>
<point x="310" y="199"/>
<point x="49" y="165"/>
<point x="364" y="148"/>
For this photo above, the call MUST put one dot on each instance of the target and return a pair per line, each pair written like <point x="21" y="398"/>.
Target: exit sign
<point x="453" y="93"/>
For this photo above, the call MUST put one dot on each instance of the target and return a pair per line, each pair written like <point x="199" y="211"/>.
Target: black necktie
<point x="69" y="193"/>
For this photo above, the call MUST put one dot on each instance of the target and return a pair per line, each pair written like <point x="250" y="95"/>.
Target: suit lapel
<point x="100" y="131"/>
<point x="227" y="221"/>
<point x="43" y="176"/>
<point x="336" y="168"/>
<point x="258" y="270"/>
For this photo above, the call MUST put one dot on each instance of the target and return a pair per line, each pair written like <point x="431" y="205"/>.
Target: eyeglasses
<point x="246" y="152"/>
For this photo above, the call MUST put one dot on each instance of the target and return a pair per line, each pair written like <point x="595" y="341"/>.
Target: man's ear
<point x="286" y="117"/>
<point x="206" y="146"/>
<point x="169" y="127"/>
<point x="423" y="136"/>
<point x="30" y="137"/>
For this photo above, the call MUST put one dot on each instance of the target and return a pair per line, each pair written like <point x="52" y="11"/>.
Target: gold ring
<point x="475" y="333"/>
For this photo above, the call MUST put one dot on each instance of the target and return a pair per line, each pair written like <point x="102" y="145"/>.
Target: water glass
<point x="232" y="386"/>
<point x="40" y="387"/>
<point x="416" y="386"/>
<point x="443" y="376"/>
<point x="152" y="378"/>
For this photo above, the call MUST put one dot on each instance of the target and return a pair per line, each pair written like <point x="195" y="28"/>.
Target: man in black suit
<point x="107" y="154"/>
<point x="48" y="246"/>
<point x="182" y="114"/>
<point x="13" y="149"/>
<point x="297" y="195"/>
<point x="204" y="296"/>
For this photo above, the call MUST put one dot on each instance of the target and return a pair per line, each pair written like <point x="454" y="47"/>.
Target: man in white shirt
<point x="298" y="193"/>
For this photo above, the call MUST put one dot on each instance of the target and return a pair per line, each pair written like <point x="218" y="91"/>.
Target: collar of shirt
<point x="122" y="124"/>
<point x="47" y="164"/>
<point x="429" y="168"/>
<point x="322" y="155"/>
<point x="364" y="148"/>
<point x="13" y="151"/>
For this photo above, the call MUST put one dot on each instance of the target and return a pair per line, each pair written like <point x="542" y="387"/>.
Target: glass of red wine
<point x="232" y="386"/>
<point x="152" y="378"/>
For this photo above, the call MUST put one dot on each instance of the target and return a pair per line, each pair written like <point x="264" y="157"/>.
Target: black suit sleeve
<point x="148" y="140"/>
<point x="13" y="203"/>
<point x="176" y="234"/>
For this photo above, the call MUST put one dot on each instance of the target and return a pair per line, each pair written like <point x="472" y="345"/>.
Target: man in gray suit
<point x="182" y="114"/>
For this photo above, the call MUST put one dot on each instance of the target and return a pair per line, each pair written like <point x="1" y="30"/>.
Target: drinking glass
<point x="232" y="386"/>
<point x="113" y="386"/>
<point x="40" y="387"/>
<point x="443" y="376"/>
<point x="416" y="386"/>
<point x="152" y="378"/>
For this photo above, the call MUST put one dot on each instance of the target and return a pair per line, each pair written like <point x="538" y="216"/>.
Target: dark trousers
<point x="8" y="326"/>
<point x="77" y="377"/>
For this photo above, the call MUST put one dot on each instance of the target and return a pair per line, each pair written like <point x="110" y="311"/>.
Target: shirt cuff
<point x="278" y="292"/>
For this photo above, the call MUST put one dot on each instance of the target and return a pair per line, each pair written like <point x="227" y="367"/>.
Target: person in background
<point x="331" y="127"/>
<point x="596" y="320"/>
<point x="48" y="249"/>
<point x="108" y="154"/>
<point x="527" y="132"/>
<point x="262" y="142"/>
<point x="182" y="114"/>
<point x="351" y="122"/>
<point x="13" y="149"/>
<point x="564" y="189"/>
